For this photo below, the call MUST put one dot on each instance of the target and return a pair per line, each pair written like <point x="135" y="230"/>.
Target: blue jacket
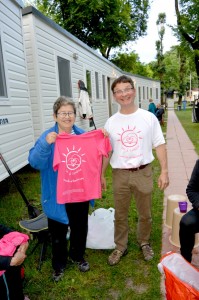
<point x="41" y="158"/>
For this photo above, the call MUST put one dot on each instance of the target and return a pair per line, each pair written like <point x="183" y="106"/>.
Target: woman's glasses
<point x="120" y="92"/>
<point x="66" y="114"/>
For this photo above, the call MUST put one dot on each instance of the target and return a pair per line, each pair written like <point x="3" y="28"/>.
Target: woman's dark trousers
<point x="58" y="233"/>
<point x="189" y="226"/>
<point x="14" y="284"/>
<point x="78" y="222"/>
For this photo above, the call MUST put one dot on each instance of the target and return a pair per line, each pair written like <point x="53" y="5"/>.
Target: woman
<point x="11" y="287"/>
<point x="152" y="108"/>
<point x="84" y="102"/>
<point x="60" y="215"/>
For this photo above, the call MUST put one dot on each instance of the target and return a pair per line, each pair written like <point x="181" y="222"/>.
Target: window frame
<point x="89" y="82"/>
<point x="157" y="93"/>
<point x="97" y="92"/>
<point x="70" y="95"/>
<point x="104" y="86"/>
<point x="143" y="92"/>
<point x="151" y="92"/>
<point x="4" y="99"/>
<point x="139" y="97"/>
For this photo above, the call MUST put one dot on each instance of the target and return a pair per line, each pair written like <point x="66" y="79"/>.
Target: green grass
<point x="192" y="129"/>
<point x="132" y="278"/>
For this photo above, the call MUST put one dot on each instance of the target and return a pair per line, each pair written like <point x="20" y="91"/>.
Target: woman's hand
<point x="23" y="247"/>
<point x="51" y="137"/>
<point x="18" y="259"/>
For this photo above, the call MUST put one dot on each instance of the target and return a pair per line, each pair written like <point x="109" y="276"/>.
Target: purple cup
<point x="182" y="206"/>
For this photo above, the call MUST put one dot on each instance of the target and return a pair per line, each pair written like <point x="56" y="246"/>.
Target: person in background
<point x="11" y="285"/>
<point x="159" y="113"/>
<point x="84" y="105"/>
<point x="59" y="215"/>
<point x="84" y="102"/>
<point x="133" y="133"/>
<point x="184" y="104"/>
<point x="189" y="224"/>
<point x="152" y="108"/>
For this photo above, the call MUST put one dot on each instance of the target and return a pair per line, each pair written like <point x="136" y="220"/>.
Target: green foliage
<point x="192" y="129"/>
<point x="160" y="67"/>
<point x="102" y="25"/>
<point x="189" y="15"/>
<point x="129" y="62"/>
<point x="187" y="26"/>
<point x="178" y="65"/>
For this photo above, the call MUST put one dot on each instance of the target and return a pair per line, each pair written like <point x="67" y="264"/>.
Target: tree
<point x="171" y="75"/>
<point x="188" y="26"/>
<point x="159" y="47"/>
<point x="178" y="66"/>
<point x="130" y="62"/>
<point x="102" y="25"/>
<point x="182" y="71"/>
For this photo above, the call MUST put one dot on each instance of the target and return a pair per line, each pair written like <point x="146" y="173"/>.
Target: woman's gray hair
<point x="63" y="101"/>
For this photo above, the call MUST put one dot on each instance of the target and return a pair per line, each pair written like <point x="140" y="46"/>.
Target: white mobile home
<point x="51" y="65"/>
<point x="57" y="60"/>
<point x="16" y="134"/>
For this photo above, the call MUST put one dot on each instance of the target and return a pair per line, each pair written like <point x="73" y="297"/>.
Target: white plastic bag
<point x="101" y="229"/>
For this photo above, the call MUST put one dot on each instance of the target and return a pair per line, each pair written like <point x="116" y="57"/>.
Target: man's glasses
<point x="120" y="92"/>
<point x="66" y="114"/>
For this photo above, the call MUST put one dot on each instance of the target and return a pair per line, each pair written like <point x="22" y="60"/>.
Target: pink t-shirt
<point x="78" y="159"/>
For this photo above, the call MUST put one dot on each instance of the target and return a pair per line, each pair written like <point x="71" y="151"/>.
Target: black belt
<point x="136" y="169"/>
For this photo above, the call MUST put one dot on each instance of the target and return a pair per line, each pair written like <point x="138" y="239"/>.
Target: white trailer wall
<point x="16" y="134"/>
<point x="45" y="41"/>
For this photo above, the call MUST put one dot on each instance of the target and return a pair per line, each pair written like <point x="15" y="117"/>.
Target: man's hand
<point x="106" y="134"/>
<point x="103" y="183"/>
<point x="163" y="180"/>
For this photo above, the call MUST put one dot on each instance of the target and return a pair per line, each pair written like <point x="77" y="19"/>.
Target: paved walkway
<point x="181" y="160"/>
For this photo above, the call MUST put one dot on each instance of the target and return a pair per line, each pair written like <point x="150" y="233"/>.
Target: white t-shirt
<point x="133" y="137"/>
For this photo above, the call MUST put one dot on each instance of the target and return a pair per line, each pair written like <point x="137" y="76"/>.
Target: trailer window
<point x="64" y="77"/>
<point x="139" y="96"/>
<point x="104" y="87"/>
<point x="3" y="90"/>
<point x="156" y="93"/>
<point x="88" y="82"/>
<point x="97" y="85"/>
<point x="143" y="93"/>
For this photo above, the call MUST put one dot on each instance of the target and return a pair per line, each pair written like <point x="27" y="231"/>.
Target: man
<point x="133" y="133"/>
<point x="159" y="113"/>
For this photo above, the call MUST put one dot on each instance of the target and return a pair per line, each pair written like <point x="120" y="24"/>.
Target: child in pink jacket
<point x="13" y="246"/>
